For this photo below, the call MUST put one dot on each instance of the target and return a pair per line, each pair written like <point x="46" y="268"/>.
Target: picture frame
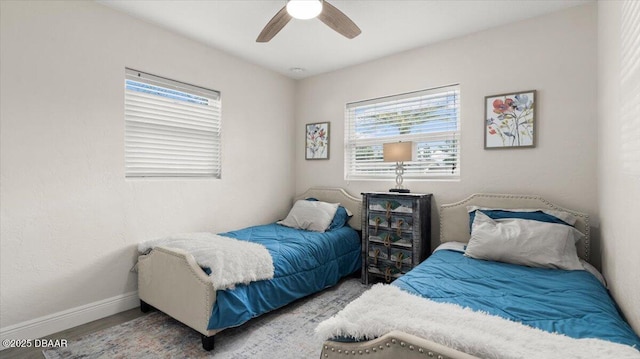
<point x="510" y="120"/>
<point x="317" y="141"/>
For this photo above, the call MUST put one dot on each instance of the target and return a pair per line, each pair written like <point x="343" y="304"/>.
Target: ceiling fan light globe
<point x="304" y="9"/>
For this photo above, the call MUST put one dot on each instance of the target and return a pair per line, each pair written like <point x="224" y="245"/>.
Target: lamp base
<point x="400" y="190"/>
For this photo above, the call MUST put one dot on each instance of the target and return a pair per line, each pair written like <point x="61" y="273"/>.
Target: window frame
<point x="172" y="128"/>
<point x="376" y="169"/>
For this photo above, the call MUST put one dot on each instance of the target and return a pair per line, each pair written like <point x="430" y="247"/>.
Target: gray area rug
<point x="285" y="333"/>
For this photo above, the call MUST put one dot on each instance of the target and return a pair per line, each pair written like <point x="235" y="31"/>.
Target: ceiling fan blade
<point x="338" y="21"/>
<point x="274" y="25"/>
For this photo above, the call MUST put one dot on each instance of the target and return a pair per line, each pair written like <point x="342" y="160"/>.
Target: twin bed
<point x="454" y="306"/>
<point x="426" y="312"/>
<point x="304" y="262"/>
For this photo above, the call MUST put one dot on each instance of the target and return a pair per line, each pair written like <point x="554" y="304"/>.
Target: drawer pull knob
<point x="399" y="229"/>
<point x="387" y="240"/>
<point x="377" y="223"/>
<point x="376" y="253"/>
<point x="399" y="258"/>
<point x="387" y="275"/>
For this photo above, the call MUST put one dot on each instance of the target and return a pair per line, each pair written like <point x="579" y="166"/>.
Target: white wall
<point x="70" y="220"/>
<point x="619" y="150"/>
<point x="554" y="54"/>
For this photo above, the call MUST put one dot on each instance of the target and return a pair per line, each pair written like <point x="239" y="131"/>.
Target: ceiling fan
<point x="308" y="9"/>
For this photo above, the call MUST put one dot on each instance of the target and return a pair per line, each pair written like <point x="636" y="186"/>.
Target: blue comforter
<point x="305" y="262"/>
<point x="573" y="303"/>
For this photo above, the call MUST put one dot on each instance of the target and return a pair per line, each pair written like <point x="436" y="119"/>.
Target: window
<point x="172" y="129"/>
<point x="429" y="118"/>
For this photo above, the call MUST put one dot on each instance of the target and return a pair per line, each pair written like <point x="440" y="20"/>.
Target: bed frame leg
<point x="145" y="307"/>
<point x="207" y="342"/>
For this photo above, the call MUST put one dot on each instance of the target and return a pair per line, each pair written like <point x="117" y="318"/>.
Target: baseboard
<point x="56" y="322"/>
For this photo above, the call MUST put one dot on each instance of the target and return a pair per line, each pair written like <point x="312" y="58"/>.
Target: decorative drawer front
<point x="389" y="270"/>
<point x="378" y="253"/>
<point x="391" y="205"/>
<point x="402" y="223"/>
<point x="394" y="221"/>
<point x="399" y="262"/>
<point x="386" y="270"/>
<point x="401" y="258"/>
<point x="388" y="238"/>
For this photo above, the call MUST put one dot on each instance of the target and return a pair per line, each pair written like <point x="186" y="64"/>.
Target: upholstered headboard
<point x="337" y="195"/>
<point x="454" y="218"/>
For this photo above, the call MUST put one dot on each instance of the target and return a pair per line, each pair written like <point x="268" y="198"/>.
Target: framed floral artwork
<point x="510" y="120"/>
<point x="317" y="141"/>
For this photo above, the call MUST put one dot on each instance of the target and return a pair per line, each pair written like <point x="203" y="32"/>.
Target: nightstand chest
<point x="396" y="233"/>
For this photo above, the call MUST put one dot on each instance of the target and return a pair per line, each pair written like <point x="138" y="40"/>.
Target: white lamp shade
<point x="397" y="151"/>
<point x="304" y="9"/>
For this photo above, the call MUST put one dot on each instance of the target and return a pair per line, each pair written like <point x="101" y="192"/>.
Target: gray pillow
<point x="310" y="215"/>
<point x="525" y="242"/>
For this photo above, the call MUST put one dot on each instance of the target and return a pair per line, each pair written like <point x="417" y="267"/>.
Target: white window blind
<point x="429" y="118"/>
<point x="172" y="129"/>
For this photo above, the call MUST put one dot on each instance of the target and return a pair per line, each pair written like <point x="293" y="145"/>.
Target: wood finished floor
<point x="73" y="333"/>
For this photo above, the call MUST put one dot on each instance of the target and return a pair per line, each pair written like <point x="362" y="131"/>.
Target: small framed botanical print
<point x="317" y="141"/>
<point x="510" y="120"/>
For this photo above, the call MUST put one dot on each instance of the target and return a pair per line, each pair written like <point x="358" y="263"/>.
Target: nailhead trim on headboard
<point x="330" y="351"/>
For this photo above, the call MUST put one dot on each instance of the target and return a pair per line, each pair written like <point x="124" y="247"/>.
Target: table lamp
<point x="398" y="152"/>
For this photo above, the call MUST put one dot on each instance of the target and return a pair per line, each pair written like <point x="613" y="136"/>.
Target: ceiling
<point x="388" y="27"/>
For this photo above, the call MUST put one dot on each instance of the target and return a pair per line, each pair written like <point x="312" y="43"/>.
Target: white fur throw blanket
<point x="384" y="308"/>
<point x="231" y="261"/>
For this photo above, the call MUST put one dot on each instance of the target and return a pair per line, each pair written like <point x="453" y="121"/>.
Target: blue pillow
<point x="539" y="216"/>
<point x="339" y="220"/>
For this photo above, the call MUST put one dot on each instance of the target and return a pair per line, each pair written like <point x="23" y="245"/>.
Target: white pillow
<point x="524" y="242"/>
<point x="310" y="215"/>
